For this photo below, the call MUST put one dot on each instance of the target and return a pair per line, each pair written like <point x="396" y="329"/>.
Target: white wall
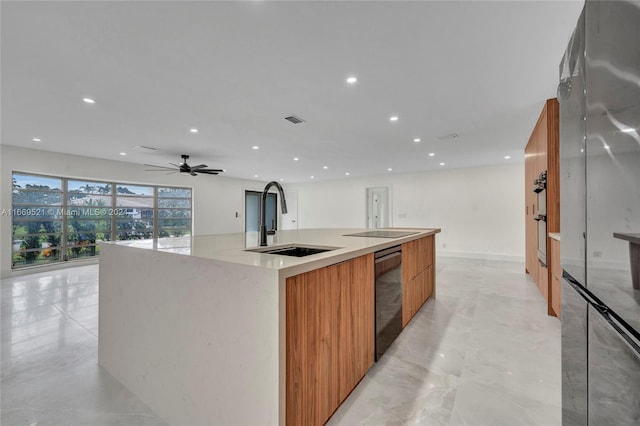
<point x="480" y="210"/>
<point x="216" y="199"/>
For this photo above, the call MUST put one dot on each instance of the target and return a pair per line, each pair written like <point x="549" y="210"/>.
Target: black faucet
<point x="263" y="217"/>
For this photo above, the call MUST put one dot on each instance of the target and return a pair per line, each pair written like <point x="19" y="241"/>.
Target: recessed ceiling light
<point x="416" y="140"/>
<point x="255" y="176"/>
<point x="393" y="118"/>
<point x="295" y="158"/>
<point x="313" y="177"/>
<point x="325" y="167"/>
<point x="582" y="150"/>
<point x="36" y="140"/>
<point x="389" y="169"/>
<point x="123" y="153"/>
<point x="431" y="154"/>
<point x="281" y="180"/>
<point x="347" y="174"/>
<point x="255" y="147"/>
<point x="442" y="164"/>
<point x="352" y="80"/>
<point x="89" y="100"/>
<point x="194" y="130"/>
<point x="506" y="157"/>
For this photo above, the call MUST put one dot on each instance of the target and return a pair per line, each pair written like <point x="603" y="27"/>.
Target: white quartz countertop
<point x="233" y="247"/>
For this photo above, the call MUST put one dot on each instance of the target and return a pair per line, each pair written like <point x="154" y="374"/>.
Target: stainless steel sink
<point x="295" y="250"/>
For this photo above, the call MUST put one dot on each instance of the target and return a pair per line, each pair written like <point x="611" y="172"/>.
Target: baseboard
<point x="481" y="256"/>
<point x="28" y="270"/>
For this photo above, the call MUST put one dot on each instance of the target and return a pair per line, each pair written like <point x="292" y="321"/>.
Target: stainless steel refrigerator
<point x="599" y="95"/>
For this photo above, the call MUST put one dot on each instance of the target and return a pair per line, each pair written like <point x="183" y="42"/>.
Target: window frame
<point x="65" y="218"/>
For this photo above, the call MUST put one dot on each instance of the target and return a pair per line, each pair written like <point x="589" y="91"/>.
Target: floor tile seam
<point x="85" y="410"/>
<point x="401" y="357"/>
<point x="70" y="317"/>
<point x="519" y="394"/>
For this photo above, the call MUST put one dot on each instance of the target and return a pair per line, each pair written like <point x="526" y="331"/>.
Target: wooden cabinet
<point x="330" y="337"/>
<point x="418" y="269"/>
<point x="556" y="278"/>
<point x="330" y="327"/>
<point x="531" y="226"/>
<point x="542" y="154"/>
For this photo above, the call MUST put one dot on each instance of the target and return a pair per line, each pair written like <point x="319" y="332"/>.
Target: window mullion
<point x="112" y="216"/>
<point x="155" y="213"/>
<point x="65" y="229"/>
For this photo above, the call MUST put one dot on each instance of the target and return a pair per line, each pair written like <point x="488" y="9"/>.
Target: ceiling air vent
<point x="294" y="119"/>
<point x="146" y="149"/>
<point x="448" y="137"/>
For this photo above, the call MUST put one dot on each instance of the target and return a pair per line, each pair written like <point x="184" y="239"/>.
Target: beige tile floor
<point x="483" y="353"/>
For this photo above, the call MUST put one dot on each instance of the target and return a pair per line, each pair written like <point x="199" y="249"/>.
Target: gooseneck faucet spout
<point x="263" y="216"/>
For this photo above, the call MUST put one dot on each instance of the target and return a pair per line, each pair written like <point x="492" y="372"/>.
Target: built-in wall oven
<point x="388" y="295"/>
<point x="540" y="188"/>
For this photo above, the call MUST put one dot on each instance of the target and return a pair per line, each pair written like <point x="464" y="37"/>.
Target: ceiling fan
<point x="184" y="168"/>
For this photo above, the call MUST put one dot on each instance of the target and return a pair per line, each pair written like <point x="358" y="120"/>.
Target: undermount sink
<point x="293" y="250"/>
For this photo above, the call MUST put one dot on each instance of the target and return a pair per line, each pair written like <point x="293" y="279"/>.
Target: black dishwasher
<point x="388" y="291"/>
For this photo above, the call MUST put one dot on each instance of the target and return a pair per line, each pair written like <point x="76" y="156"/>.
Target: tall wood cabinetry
<point x="542" y="154"/>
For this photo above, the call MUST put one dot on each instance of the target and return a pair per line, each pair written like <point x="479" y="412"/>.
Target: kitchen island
<point x="206" y="332"/>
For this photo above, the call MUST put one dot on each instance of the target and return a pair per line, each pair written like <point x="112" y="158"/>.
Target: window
<point x="88" y="218"/>
<point x="56" y="219"/>
<point x="174" y="212"/>
<point x="37" y="219"/>
<point x="134" y="212"/>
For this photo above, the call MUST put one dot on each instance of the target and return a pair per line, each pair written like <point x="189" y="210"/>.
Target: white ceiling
<point x="234" y="70"/>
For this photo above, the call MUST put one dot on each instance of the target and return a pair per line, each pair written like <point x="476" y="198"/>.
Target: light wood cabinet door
<point x="330" y="337"/>
<point x="417" y="275"/>
<point x="353" y="313"/>
<point x="309" y="348"/>
<point x="409" y="297"/>
<point x="531" y="226"/>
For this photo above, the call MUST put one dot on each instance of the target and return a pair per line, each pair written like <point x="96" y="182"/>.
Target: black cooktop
<point x="382" y="234"/>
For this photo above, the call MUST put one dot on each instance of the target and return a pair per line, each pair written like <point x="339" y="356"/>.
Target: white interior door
<point x="290" y="220"/>
<point x="377" y="207"/>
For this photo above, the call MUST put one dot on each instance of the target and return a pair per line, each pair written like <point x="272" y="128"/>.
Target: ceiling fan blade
<point x="153" y="165"/>
<point x="170" y="173"/>
<point x="158" y="170"/>
<point x="199" y="166"/>
<point x="207" y="172"/>
<point x="193" y="173"/>
<point x="210" y="170"/>
<point x="173" y="164"/>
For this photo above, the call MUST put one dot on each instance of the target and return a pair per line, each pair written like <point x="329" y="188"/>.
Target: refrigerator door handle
<point x="627" y="333"/>
<point x="583" y="292"/>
